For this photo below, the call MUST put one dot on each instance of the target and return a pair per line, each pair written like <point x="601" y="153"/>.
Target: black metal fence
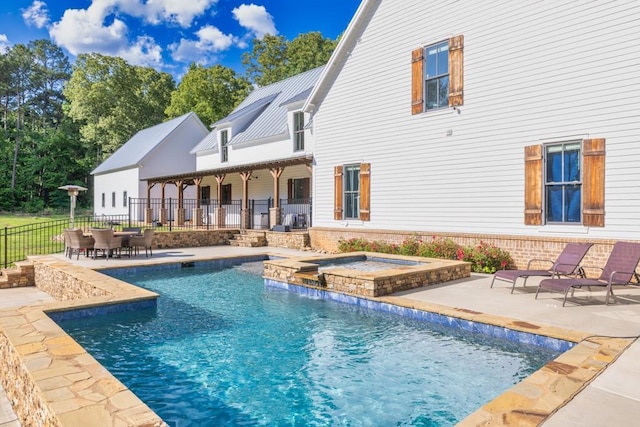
<point x="16" y="243"/>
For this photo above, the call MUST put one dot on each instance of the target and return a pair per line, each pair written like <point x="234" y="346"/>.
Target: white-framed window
<point x="104" y="200"/>
<point x="436" y="76"/>
<point x="224" y="148"/>
<point x="113" y="199"/>
<point x="352" y="191"/>
<point x="563" y="183"/>
<point x="298" y="131"/>
<point x="124" y="199"/>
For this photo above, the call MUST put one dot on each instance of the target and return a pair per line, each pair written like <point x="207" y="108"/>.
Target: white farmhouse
<point x="253" y="170"/>
<point x="512" y="122"/>
<point x="161" y="149"/>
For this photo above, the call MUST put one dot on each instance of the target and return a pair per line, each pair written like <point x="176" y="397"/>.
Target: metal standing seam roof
<point x="263" y="113"/>
<point x="141" y="144"/>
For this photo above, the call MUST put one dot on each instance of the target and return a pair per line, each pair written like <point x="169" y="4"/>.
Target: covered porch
<point x="273" y="193"/>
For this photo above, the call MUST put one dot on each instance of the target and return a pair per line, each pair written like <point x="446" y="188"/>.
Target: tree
<point x="212" y="93"/>
<point x="273" y="58"/>
<point x="113" y="100"/>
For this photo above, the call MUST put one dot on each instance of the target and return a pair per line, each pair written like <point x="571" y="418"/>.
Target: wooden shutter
<point x="365" y="190"/>
<point x="417" y="81"/>
<point x="456" y="70"/>
<point x="593" y="156"/>
<point x="337" y="193"/>
<point x="533" y="185"/>
<point x="306" y="188"/>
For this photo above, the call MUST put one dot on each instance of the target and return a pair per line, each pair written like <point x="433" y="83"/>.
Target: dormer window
<point x="224" y="149"/>
<point x="298" y="131"/>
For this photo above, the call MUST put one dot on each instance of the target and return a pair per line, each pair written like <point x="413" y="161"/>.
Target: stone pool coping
<point x="50" y="378"/>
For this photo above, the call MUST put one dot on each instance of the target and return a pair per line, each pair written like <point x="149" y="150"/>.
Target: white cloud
<point x="182" y="12"/>
<point x="4" y="43"/>
<point x="84" y="30"/>
<point x="256" y="19"/>
<point x="36" y="14"/>
<point x="145" y="51"/>
<point x="210" y="41"/>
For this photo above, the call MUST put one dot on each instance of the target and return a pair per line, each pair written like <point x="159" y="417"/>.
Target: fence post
<point x="129" y="208"/>
<point x="169" y="215"/>
<point x="6" y="240"/>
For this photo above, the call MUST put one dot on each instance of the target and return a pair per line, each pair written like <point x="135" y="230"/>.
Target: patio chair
<point x="567" y="263"/>
<point x="619" y="269"/>
<point x="76" y="241"/>
<point x="106" y="242"/>
<point x="146" y="240"/>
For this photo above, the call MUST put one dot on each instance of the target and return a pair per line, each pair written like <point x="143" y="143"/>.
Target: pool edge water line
<point x="46" y="373"/>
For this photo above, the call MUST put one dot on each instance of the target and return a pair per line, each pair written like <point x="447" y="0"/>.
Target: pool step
<point x="249" y="239"/>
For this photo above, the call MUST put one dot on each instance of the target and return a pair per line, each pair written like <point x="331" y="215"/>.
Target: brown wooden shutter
<point x="337" y="193"/>
<point x="593" y="152"/>
<point x="365" y="191"/>
<point x="289" y="189"/>
<point x="417" y="81"/>
<point x="456" y="70"/>
<point x="306" y="188"/>
<point x="533" y="185"/>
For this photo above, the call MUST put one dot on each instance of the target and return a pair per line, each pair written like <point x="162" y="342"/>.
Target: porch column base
<point x="220" y="215"/>
<point x="274" y="216"/>
<point x="196" y="217"/>
<point x="179" y="216"/>
<point x="245" y="219"/>
<point x="148" y="216"/>
<point x="163" y="216"/>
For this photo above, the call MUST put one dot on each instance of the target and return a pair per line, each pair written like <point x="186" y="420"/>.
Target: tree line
<point x="61" y="120"/>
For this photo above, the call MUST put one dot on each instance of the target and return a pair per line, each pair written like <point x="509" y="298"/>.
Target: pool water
<point x="221" y="349"/>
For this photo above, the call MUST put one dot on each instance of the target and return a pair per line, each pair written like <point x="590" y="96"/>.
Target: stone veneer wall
<point x="192" y="238"/>
<point x="22" y="275"/>
<point x="63" y="286"/>
<point x="291" y="240"/>
<point x="521" y="248"/>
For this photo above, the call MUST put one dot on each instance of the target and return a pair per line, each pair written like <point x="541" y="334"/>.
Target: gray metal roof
<point x="263" y="113"/>
<point x="142" y="143"/>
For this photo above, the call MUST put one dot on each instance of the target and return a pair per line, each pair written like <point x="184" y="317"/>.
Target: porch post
<point x="219" y="211"/>
<point x="163" y="208"/>
<point x="148" y="212"/>
<point x="275" y="211"/>
<point x="196" y="215"/>
<point x="179" y="216"/>
<point x="245" y="216"/>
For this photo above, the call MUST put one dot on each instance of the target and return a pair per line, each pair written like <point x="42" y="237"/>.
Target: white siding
<point x="116" y="182"/>
<point x="534" y="72"/>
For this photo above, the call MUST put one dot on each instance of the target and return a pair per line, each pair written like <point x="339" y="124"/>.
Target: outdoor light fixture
<point x="72" y="191"/>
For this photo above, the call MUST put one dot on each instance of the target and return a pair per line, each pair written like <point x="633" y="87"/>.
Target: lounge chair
<point x="619" y="269"/>
<point x="567" y="263"/>
<point x="146" y="240"/>
<point x="106" y="242"/>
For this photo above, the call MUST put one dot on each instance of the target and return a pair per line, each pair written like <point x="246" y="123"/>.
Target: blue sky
<point x="168" y="34"/>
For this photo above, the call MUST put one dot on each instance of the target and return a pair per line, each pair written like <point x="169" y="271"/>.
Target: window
<point x="298" y="190"/>
<point x="224" y="141"/>
<point x="563" y="187"/>
<point x="205" y="194"/>
<point x="564" y="183"/>
<point x="104" y="202"/>
<point x="351" y="190"/>
<point x="298" y="131"/>
<point x="113" y="199"/>
<point x="124" y="199"/>
<point x="225" y="194"/>
<point x="437" y="75"/>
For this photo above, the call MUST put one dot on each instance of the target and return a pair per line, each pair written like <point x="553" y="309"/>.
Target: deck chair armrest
<point x="613" y="274"/>
<point x="577" y="270"/>
<point x="531" y="261"/>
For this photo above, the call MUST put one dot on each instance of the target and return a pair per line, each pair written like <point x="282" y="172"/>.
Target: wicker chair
<point x="106" y="242"/>
<point x="145" y="241"/>
<point x="77" y="242"/>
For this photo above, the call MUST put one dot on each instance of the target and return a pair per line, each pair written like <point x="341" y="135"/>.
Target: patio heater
<point x="72" y="191"/>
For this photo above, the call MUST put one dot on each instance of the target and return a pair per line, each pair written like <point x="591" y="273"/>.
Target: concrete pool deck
<point x="613" y="398"/>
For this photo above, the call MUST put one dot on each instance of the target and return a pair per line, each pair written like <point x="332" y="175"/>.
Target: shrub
<point x="484" y="257"/>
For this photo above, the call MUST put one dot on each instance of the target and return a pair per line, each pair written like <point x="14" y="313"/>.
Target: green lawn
<point x="9" y="220"/>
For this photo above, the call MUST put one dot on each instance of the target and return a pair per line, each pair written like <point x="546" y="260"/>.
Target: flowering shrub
<point x="484" y="257"/>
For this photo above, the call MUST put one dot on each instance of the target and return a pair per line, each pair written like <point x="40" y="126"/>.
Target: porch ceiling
<point x="293" y="161"/>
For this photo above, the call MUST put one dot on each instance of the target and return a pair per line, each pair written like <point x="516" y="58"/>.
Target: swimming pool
<point x="223" y="349"/>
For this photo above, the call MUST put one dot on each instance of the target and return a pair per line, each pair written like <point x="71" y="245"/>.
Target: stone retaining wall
<point x="291" y="240"/>
<point x="21" y="275"/>
<point x="192" y="238"/>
